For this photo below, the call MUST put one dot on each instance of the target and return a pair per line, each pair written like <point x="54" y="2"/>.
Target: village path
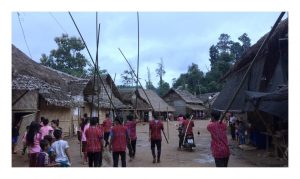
<point x="171" y="157"/>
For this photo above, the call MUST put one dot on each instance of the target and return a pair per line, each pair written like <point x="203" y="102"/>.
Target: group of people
<point x="45" y="145"/>
<point x="118" y="136"/>
<point x="47" y="148"/>
<point x="115" y="135"/>
<point x="238" y="129"/>
<point x="185" y="127"/>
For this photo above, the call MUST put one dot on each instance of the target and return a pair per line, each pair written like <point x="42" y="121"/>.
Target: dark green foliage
<point x="67" y="57"/>
<point x="223" y="56"/>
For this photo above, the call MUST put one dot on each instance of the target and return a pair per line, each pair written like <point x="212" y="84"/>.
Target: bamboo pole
<point x="91" y="59"/>
<point x="137" y="79"/>
<point x="138" y="60"/>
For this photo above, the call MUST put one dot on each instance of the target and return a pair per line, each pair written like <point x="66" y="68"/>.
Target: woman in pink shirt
<point x="46" y="129"/>
<point x="33" y="139"/>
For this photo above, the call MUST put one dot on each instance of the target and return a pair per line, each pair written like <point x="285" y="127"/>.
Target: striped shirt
<point x="219" y="142"/>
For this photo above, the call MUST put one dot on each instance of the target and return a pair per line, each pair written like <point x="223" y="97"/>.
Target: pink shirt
<point x="45" y="130"/>
<point x="36" y="144"/>
<point x="219" y="142"/>
<point x="83" y="138"/>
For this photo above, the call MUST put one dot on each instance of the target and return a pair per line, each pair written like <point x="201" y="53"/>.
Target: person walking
<point x="131" y="127"/>
<point x="219" y="141"/>
<point x="94" y="139"/>
<point x="107" y="124"/>
<point x="155" y="128"/>
<point x="118" y="142"/>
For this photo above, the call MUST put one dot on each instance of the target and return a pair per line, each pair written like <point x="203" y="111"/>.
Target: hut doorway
<point x="24" y="118"/>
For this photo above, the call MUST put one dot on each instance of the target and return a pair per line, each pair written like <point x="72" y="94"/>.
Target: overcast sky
<point x="180" y="39"/>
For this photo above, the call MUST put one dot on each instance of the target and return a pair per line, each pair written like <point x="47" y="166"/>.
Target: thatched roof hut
<point x="183" y="101"/>
<point x="129" y="98"/>
<point x="156" y="101"/>
<point x="51" y="84"/>
<point x="103" y="97"/>
<point x="268" y="74"/>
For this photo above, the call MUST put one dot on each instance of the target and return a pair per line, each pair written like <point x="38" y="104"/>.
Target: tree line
<point x="222" y="56"/>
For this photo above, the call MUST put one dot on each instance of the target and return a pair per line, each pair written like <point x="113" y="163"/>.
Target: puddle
<point x="204" y="159"/>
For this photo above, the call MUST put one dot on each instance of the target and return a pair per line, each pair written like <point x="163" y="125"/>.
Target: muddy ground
<point x="171" y="157"/>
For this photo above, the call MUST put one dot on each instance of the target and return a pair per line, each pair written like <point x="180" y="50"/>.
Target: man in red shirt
<point x="94" y="139"/>
<point x="155" y="128"/>
<point x="118" y="142"/>
<point x="219" y="142"/>
<point x="131" y="128"/>
<point x="107" y="124"/>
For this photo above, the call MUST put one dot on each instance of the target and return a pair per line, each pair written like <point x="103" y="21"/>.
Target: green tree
<point x="128" y="78"/>
<point x="246" y="42"/>
<point x="191" y="80"/>
<point x="163" y="89"/>
<point x="67" y="57"/>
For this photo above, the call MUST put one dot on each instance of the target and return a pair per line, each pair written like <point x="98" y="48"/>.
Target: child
<point x="43" y="157"/>
<point x="50" y="150"/>
<point x="33" y="139"/>
<point x="55" y="124"/>
<point x="61" y="149"/>
<point x="46" y="129"/>
<point x="24" y="141"/>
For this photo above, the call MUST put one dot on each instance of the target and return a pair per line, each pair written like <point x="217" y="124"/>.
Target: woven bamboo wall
<point x="63" y="114"/>
<point x="27" y="102"/>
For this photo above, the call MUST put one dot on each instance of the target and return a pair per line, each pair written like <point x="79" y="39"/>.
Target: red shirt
<point x="131" y="127"/>
<point x="107" y="123"/>
<point x="118" y="137"/>
<point x="188" y="126"/>
<point x="219" y="142"/>
<point x="155" y="128"/>
<point x="94" y="136"/>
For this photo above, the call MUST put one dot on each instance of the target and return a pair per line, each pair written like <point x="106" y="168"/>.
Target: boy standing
<point x="61" y="149"/>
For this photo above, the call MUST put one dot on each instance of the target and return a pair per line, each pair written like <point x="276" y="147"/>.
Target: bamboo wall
<point x="28" y="102"/>
<point x="63" y="114"/>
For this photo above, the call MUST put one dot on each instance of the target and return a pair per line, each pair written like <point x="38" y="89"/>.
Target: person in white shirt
<point x="61" y="149"/>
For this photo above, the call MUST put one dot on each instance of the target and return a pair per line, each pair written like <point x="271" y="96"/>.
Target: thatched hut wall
<point x="63" y="114"/>
<point x="28" y="102"/>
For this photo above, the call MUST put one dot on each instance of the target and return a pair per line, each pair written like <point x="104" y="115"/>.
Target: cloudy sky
<point x="179" y="38"/>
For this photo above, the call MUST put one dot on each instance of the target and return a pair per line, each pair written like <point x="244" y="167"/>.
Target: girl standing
<point x="33" y="139"/>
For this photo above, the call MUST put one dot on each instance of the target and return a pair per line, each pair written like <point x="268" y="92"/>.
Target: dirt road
<point x="171" y="157"/>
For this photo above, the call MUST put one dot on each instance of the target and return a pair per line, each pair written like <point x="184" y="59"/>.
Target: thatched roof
<point x="186" y="96"/>
<point x="112" y="90"/>
<point x="266" y="75"/>
<point x="51" y="94"/>
<point x="157" y="102"/>
<point x="128" y="97"/>
<point x="55" y="87"/>
<point x="208" y="98"/>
